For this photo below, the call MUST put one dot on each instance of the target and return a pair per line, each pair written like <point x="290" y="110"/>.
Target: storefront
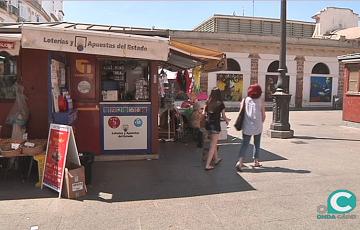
<point x="351" y="97"/>
<point x="103" y="84"/>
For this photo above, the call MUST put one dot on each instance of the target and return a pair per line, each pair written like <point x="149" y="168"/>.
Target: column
<point x="254" y="75"/>
<point x="299" y="80"/>
<point x="341" y="80"/>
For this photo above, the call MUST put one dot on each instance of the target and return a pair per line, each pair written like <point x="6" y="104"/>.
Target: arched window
<point x="8" y="76"/>
<point x="271" y="81"/>
<point x="320" y="68"/>
<point x="232" y="65"/>
<point x="274" y="67"/>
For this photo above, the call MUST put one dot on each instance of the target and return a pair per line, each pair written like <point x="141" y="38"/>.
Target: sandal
<point x="258" y="165"/>
<point x="210" y="168"/>
<point x="238" y="168"/>
<point x="218" y="161"/>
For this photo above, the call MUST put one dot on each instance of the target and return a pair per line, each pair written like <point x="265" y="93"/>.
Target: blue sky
<point x="188" y="14"/>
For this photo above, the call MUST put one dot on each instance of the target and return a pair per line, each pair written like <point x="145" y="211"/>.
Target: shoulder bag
<point x="239" y="121"/>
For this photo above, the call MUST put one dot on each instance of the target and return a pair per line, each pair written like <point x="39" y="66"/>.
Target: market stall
<point x="103" y="83"/>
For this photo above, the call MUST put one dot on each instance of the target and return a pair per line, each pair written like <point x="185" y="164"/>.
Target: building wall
<point x="310" y="62"/>
<point x="55" y="8"/>
<point x="245" y="65"/>
<point x="30" y="11"/>
<point x="266" y="60"/>
<point x="243" y="47"/>
<point x="35" y="81"/>
<point x="337" y="18"/>
<point x="5" y="15"/>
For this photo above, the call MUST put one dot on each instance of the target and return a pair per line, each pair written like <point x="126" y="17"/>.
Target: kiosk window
<point x="8" y="76"/>
<point x="124" y="80"/>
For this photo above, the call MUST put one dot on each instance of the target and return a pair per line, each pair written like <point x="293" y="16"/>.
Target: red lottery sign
<point x="114" y="122"/>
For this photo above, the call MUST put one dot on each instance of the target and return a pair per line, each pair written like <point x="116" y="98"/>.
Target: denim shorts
<point x="213" y="127"/>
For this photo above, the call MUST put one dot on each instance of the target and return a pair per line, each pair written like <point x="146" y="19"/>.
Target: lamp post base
<point x="280" y="127"/>
<point x="280" y="134"/>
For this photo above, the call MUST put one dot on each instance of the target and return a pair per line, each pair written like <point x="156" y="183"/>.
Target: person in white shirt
<point x="254" y="118"/>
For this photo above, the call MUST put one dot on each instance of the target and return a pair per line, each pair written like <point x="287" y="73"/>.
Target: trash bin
<point x="86" y="160"/>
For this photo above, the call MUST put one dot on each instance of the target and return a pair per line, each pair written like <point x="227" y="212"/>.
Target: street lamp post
<point x="280" y="127"/>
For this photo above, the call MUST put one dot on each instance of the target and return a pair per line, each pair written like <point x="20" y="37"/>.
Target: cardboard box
<point x="74" y="182"/>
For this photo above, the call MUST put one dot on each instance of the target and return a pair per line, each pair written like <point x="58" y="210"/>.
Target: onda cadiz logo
<point x="339" y="204"/>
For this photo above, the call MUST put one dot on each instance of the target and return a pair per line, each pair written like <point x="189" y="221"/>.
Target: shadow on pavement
<point x="323" y="138"/>
<point x="274" y="169"/>
<point x="178" y="173"/>
<point x="15" y="187"/>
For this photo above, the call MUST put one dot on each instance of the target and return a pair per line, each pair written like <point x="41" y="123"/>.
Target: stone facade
<point x="259" y="51"/>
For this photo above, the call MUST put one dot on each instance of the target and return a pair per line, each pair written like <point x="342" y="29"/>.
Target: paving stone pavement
<point x="175" y="192"/>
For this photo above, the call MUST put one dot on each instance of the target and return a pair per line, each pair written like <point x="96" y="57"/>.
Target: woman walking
<point x="214" y="109"/>
<point x="254" y="118"/>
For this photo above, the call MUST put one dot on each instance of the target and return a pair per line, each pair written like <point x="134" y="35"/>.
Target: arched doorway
<point x="230" y="82"/>
<point x="271" y="78"/>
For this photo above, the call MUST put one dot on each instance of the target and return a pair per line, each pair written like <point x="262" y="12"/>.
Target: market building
<point x="251" y="44"/>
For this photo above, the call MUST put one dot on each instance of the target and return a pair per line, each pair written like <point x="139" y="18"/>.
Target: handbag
<point x="240" y="119"/>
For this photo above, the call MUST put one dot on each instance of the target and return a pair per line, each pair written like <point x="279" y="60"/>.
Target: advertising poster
<point x="270" y="86"/>
<point x="320" y="89"/>
<point x="126" y="127"/>
<point x="125" y="132"/>
<point x="56" y="153"/>
<point x="230" y="85"/>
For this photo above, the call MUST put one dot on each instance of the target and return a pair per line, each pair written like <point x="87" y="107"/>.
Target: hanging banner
<point x="95" y="42"/>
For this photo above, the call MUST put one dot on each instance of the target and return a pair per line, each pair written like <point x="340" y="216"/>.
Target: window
<point x="232" y="65"/>
<point x="320" y="68"/>
<point x="274" y="67"/>
<point x="354" y="81"/>
<point x="8" y="76"/>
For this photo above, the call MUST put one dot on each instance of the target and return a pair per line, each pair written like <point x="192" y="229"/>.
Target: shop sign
<point x="95" y="42"/>
<point x="7" y="45"/>
<point x="10" y="43"/>
<point x="61" y="148"/>
<point x="126" y="126"/>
